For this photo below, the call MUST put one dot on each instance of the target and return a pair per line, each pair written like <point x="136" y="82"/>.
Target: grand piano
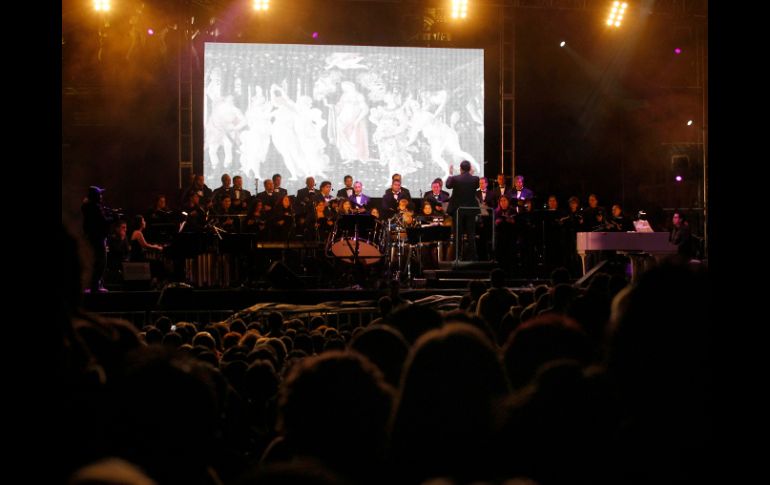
<point x="655" y="244"/>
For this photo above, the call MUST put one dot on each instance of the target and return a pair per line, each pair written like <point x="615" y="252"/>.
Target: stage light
<point x="315" y="35"/>
<point x="150" y="32"/>
<point x="677" y="51"/>
<point x="616" y="14"/>
<point x="689" y="122"/>
<point x="562" y="44"/>
<point x="102" y="5"/>
<point x="459" y="9"/>
<point x="678" y="178"/>
<point x="261" y="5"/>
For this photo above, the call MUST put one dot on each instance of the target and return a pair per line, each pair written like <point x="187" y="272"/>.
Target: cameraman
<point x="96" y="226"/>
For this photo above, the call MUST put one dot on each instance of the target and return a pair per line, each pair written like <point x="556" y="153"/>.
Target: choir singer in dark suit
<point x="464" y="188"/>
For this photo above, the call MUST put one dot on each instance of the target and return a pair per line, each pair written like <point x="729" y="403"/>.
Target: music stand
<point x="416" y="236"/>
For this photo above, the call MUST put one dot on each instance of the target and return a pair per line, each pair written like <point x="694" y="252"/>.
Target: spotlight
<point x="315" y="35"/>
<point x="102" y="5"/>
<point x="150" y="32"/>
<point x="677" y="51"/>
<point x="261" y="5"/>
<point x="616" y="14"/>
<point x="562" y="44"/>
<point x="459" y="9"/>
<point x="678" y="178"/>
<point x="689" y="122"/>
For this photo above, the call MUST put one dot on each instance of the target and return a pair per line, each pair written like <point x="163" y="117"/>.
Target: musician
<point x="282" y="220"/>
<point x="277" y="189"/>
<point x="307" y="197"/>
<point x="486" y="198"/>
<point x="520" y="193"/>
<point x="618" y="222"/>
<point x="553" y="242"/>
<point x="239" y="196"/>
<point x="358" y="199"/>
<point x="326" y="191"/>
<point x="464" y="195"/>
<point x="222" y="190"/>
<point x="436" y="196"/>
<point x="397" y="176"/>
<point x="323" y="221"/>
<point x="391" y="198"/>
<point x="117" y="252"/>
<point x="681" y="235"/>
<point x="505" y="228"/>
<point x="256" y="222"/>
<point x="348" y="190"/>
<point x="572" y="223"/>
<point x="427" y="215"/>
<point x="224" y="215"/>
<point x="196" y="217"/>
<point x="503" y="190"/>
<point x="204" y="193"/>
<point x="96" y="226"/>
<point x="268" y="197"/>
<point x="346" y="208"/>
<point x="138" y="244"/>
<point x="375" y="212"/>
<point x="159" y="214"/>
<point x="591" y="214"/>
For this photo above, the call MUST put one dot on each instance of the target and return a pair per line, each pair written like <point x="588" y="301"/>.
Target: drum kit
<point x="361" y="240"/>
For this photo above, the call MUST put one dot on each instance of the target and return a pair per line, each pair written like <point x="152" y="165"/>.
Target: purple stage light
<point x="315" y="35"/>
<point x="677" y="51"/>
<point x="678" y="178"/>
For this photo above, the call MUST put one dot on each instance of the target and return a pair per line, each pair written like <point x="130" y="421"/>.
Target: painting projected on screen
<point x="327" y="111"/>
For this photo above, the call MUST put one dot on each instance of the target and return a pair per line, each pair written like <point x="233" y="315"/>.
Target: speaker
<point x="282" y="278"/>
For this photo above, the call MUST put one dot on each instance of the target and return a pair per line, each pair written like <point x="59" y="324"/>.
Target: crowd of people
<point x="560" y="385"/>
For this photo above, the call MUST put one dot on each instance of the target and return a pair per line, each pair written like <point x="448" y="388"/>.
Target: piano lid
<point x="651" y="242"/>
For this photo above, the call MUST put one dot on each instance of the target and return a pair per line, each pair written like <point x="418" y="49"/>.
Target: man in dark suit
<point x="464" y="188"/>
<point x="346" y="192"/>
<point x="503" y="190"/>
<point x="239" y="196"/>
<point x="268" y="197"/>
<point x="404" y="190"/>
<point x="359" y="200"/>
<point x="391" y="197"/>
<point x="485" y="195"/>
<point x="437" y="197"/>
<point x="307" y="197"/>
<point x="277" y="189"/>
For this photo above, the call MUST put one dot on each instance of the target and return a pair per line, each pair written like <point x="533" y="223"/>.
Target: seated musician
<point x="428" y="217"/>
<point x="256" y="222"/>
<point x="359" y="200"/>
<point x="223" y="215"/>
<point x="323" y="221"/>
<point x="195" y="219"/>
<point x="282" y="220"/>
<point x="375" y="212"/>
<point x="346" y="208"/>
<point x="138" y="244"/>
<point x="117" y="251"/>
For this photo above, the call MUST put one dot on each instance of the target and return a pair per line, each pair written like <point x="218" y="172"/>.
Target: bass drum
<point x="371" y="242"/>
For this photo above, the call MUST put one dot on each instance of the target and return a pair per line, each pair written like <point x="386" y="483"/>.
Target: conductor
<point x="464" y="195"/>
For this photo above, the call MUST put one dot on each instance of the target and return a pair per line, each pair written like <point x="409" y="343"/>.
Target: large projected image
<point x="329" y="111"/>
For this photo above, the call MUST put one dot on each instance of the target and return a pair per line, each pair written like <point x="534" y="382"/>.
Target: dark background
<point x="606" y="114"/>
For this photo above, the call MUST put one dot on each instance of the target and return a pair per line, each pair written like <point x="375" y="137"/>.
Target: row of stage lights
<point x="459" y="9"/>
